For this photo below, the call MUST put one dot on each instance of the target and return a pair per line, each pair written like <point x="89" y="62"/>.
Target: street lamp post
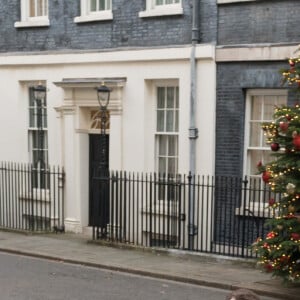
<point x="103" y="96"/>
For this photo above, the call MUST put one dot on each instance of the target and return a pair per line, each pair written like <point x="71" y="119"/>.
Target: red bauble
<point x="275" y="147"/>
<point x="268" y="268"/>
<point x="296" y="141"/>
<point x="272" y="201"/>
<point x="295" y="236"/>
<point x="283" y="126"/>
<point x="292" y="63"/>
<point x="266" y="176"/>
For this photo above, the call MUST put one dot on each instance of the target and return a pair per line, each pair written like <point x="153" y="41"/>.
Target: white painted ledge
<point x="99" y="16"/>
<point x="255" y="53"/>
<point x="161" y="11"/>
<point x="206" y="52"/>
<point x="37" y="23"/>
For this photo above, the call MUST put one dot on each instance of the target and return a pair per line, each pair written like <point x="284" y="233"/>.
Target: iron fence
<point x="31" y="198"/>
<point x="221" y="215"/>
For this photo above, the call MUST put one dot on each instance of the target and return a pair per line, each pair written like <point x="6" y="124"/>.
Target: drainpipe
<point x="193" y="131"/>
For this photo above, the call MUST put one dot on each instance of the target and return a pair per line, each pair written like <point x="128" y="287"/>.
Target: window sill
<point x="102" y="16"/>
<point x="254" y="210"/>
<point x="40" y="195"/>
<point x="161" y="12"/>
<point x="162" y="209"/>
<point x="37" y="23"/>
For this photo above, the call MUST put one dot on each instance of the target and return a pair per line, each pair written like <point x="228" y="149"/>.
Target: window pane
<point x="170" y="121"/>
<point x="159" y="2"/>
<point x="162" y="165"/>
<point x="281" y="100"/>
<point x="269" y="105"/>
<point x="172" y="166"/>
<point x="172" y="145"/>
<point x="170" y="97"/>
<point x="177" y="97"/>
<point x="102" y="4"/>
<point x="32" y="8"/>
<point x="39" y="7"/>
<point x="31" y="117"/>
<point x="34" y="140"/>
<point x="160" y="97"/>
<point x="93" y="5"/>
<point x="255" y="134"/>
<point x="44" y="117"/>
<point x="160" y="121"/>
<point x="162" y="144"/>
<point x="256" y="107"/>
<point x="255" y="157"/>
<point x="176" y="120"/>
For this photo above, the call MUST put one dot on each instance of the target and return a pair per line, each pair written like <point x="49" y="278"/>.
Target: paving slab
<point x="214" y="271"/>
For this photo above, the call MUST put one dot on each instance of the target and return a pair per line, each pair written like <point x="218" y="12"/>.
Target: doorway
<point x="99" y="182"/>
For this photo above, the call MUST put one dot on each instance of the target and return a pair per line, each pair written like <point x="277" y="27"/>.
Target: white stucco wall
<point x="132" y="127"/>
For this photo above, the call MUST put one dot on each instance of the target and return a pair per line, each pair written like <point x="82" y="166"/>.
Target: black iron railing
<point x="149" y="210"/>
<point x="31" y="198"/>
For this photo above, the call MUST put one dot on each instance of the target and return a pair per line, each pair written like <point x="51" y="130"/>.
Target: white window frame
<point x="164" y="132"/>
<point x="252" y="205"/>
<point x="91" y="16"/>
<point x="32" y="131"/>
<point x="27" y="21"/>
<point x="153" y="10"/>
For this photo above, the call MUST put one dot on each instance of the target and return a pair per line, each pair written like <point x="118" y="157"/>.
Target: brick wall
<point x="125" y="30"/>
<point x="262" y="21"/>
<point x="233" y="81"/>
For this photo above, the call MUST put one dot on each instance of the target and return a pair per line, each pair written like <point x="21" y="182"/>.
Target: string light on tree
<point x="279" y="251"/>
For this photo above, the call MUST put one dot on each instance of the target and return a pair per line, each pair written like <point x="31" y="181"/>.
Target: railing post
<point x="245" y="184"/>
<point x="191" y="225"/>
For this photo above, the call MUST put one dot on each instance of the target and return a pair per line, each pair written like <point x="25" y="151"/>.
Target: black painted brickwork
<point x="233" y="81"/>
<point x="125" y="30"/>
<point x="262" y="21"/>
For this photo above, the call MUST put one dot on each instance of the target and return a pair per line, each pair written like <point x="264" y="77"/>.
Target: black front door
<point x="99" y="182"/>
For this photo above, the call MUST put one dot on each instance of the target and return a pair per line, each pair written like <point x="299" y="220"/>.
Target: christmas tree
<point x="279" y="251"/>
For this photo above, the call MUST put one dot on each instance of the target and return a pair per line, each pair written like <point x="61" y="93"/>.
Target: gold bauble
<point x="291" y="208"/>
<point x="279" y="227"/>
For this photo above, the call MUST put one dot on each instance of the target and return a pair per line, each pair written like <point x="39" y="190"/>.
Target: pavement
<point x="206" y="270"/>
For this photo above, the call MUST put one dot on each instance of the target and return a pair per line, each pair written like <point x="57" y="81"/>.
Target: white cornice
<point x="255" y="53"/>
<point x="91" y="82"/>
<point x="206" y="51"/>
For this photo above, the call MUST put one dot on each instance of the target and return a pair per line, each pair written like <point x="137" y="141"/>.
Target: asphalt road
<point x="35" y="279"/>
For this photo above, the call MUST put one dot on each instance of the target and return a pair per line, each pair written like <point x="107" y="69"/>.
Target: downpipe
<point x="193" y="130"/>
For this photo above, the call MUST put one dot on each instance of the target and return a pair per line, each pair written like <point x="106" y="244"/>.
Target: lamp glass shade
<point x="39" y="92"/>
<point x="103" y="93"/>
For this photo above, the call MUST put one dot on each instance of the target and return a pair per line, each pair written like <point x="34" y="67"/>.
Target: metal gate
<point x="226" y="214"/>
<point x="31" y="198"/>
